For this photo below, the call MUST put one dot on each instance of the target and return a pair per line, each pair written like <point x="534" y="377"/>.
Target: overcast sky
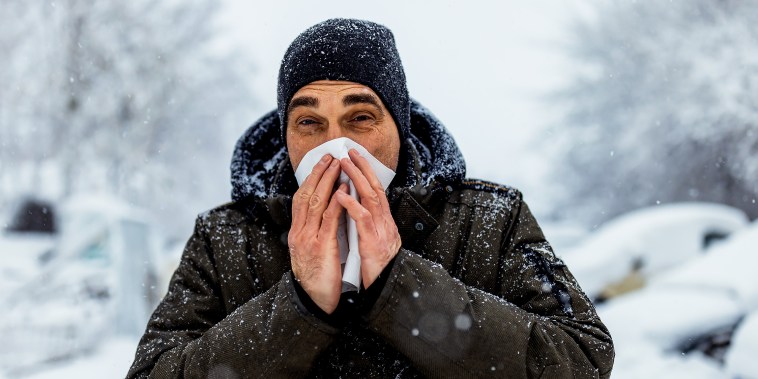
<point x="482" y="70"/>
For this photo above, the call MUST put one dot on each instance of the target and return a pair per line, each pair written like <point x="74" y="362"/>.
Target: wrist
<point x="312" y="300"/>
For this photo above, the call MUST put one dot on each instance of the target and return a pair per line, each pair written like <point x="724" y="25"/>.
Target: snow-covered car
<point x="26" y="242"/>
<point x="740" y="360"/>
<point x="698" y="320"/>
<point x="626" y="252"/>
<point x="563" y="236"/>
<point x="100" y="279"/>
<point x="21" y="257"/>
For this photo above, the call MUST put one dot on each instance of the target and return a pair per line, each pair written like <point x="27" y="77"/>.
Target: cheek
<point x="393" y="154"/>
<point x="386" y="150"/>
<point x="296" y="149"/>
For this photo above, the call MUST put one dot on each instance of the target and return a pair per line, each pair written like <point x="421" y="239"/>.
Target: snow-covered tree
<point x="663" y="107"/>
<point x="127" y="97"/>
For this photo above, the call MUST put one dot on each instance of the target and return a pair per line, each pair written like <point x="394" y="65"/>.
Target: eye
<point x="307" y="122"/>
<point x="362" y="118"/>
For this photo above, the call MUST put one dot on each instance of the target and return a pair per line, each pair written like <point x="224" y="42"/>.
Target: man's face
<point x="324" y="110"/>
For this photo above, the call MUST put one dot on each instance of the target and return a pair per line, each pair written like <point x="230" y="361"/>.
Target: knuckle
<point x="303" y="196"/>
<point x="364" y="215"/>
<point x="314" y="201"/>
<point x="329" y="214"/>
<point x="374" y="198"/>
<point x="292" y="242"/>
<point x="295" y="239"/>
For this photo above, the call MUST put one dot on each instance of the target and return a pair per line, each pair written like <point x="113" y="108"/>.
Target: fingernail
<point x="335" y="163"/>
<point x="354" y="151"/>
<point x="325" y="158"/>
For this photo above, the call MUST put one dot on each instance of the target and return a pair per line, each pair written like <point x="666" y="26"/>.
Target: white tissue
<point x="347" y="234"/>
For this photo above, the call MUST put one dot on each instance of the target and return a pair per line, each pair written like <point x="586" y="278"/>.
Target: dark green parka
<point x="475" y="291"/>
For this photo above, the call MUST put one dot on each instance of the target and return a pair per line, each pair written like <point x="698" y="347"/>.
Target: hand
<point x="378" y="238"/>
<point x="312" y="240"/>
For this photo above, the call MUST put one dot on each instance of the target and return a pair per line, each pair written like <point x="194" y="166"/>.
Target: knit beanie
<point x="351" y="50"/>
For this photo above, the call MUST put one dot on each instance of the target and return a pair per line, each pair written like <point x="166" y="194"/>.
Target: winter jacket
<point x="475" y="290"/>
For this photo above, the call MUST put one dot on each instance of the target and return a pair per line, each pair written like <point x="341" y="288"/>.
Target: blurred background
<point x="630" y="126"/>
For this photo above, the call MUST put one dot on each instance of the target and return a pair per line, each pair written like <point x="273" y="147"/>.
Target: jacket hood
<point x="261" y="168"/>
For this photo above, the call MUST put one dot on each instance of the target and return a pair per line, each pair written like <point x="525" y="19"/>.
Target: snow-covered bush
<point x="662" y="108"/>
<point x="128" y="97"/>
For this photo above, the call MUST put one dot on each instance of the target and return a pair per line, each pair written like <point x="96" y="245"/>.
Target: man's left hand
<point x="378" y="238"/>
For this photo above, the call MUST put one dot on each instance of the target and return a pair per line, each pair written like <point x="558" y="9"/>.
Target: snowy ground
<point x="109" y="360"/>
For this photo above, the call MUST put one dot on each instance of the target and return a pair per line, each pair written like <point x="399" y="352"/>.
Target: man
<point x="458" y="278"/>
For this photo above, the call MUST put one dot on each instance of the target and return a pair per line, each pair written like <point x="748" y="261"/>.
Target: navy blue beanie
<point x="351" y="50"/>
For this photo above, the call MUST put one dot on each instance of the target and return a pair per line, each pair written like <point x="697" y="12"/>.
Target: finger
<point x="369" y="198"/>
<point x="320" y="197"/>
<point x="331" y="216"/>
<point x="363" y="164"/>
<point x="303" y="194"/>
<point x="363" y="218"/>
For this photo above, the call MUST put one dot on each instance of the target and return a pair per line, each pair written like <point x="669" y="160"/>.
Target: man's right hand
<point x="312" y="240"/>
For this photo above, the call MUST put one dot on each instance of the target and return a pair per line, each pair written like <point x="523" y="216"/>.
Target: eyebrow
<point x="303" y="101"/>
<point x="362" y="99"/>
<point x="312" y="102"/>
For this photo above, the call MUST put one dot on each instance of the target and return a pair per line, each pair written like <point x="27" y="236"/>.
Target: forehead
<point x="333" y="87"/>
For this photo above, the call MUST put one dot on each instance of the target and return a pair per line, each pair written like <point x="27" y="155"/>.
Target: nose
<point x="334" y="131"/>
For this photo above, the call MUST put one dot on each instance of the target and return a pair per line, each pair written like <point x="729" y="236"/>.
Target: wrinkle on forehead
<point x="333" y="86"/>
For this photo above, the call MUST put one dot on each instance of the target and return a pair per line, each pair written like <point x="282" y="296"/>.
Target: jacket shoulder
<point x="231" y="213"/>
<point x="482" y="193"/>
<point x="497" y="189"/>
<point x="493" y="206"/>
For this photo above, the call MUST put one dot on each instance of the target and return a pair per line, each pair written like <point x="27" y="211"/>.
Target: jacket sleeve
<point x="190" y="336"/>
<point x="539" y="325"/>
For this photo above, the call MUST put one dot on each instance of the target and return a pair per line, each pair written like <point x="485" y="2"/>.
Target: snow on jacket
<point x="475" y="290"/>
